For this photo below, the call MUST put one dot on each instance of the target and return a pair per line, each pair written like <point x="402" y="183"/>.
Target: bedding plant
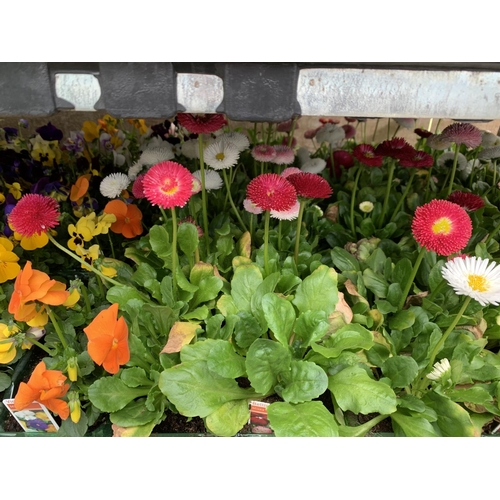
<point x="188" y="267"/>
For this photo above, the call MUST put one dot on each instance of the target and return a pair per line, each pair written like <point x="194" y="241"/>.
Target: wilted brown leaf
<point x="180" y="334"/>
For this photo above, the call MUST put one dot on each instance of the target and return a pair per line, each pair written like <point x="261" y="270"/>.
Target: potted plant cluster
<point x="188" y="268"/>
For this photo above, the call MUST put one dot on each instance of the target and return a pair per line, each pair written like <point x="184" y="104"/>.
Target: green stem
<point x="57" y="328"/>
<point x="111" y="245"/>
<point x="396" y="131"/>
<point x="493" y="233"/>
<point x="83" y="288"/>
<point x="392" y="166"/>
<point x="266" y="242"/>
<point x="409" y="283"/>
<point x="364" y="130"/>
<point x="388" y="128"/>
<point x="494" y="174"/>
<point x="430" y="125"/>
<point x="453" y="170"/>
<point x="86" y="265"/>
<point x="297" y="233"/>
<point x="290" y="136"/>
<point x="353" y="201"/>
<point x="228" y="188"/>
<point x="403" y="196"/>
<point x="375" y="131"/>
<point x="437" y="127"/>
<point x="35" y="342"/>
<point x="203" y="194"/>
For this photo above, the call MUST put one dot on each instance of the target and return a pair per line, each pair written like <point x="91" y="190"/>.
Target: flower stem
<point x="85" y="298"/>
<point x="290" y="136"/>
<point x="353" y="201"/>
<point x="396" y="131"/>
<point x="375" y="131"/>
<point x="203" y="194"/>
<point x="297" y="233"/>
<point x="38" y="344"/>
<point x="388" y="128"/>
<point x="392" y="166"/>
<point x="411" y="278"/>
<point x="57" y="328"/>
<point x="453" y="170"/>
<point x="228" y="188"/>
<point x="403" y="196"/>
<point x="86" y="265"/>
<point x="493" y="233"/>
<point x="111" y="245"/>
<point x="266" y="242"/>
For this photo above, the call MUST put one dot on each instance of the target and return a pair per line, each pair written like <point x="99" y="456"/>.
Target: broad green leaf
<point x="280" y="316"/>
<point x="135" y="431"/>
<point x="70" y="429"/>
<point x="225" y="362"/>
<point x="402" y="272"/>
<point x="436" y="276"/>
<point x="208" y="289"/>
<point x="139" y="256"/>
<point x="375" y="283"/>
<point x="402" y="370"/>
<point x="267" y="286"/>
<point x="354" y="390"/>
<point x="343" y="260"/>
<point x="135" y="377"/>
<point x="134" y="414"/>
<point x="163" y="316"/>
<point x="310" y="327"/>
<point x="196" y="391"/>
<point x="318" y="292"/>
<point x="183" y="283"/>
<point x="5" y="381"/>
<point x="200" y="313"/>
<point x="245" y="281"/>
<point x="246" y="330"/>
<point x="160" y="243"/>
<point x="198" y="351"/>
<point x="143" y="273"/>
<point x="244" y="245"/>
<point x="402" y="320"/>
<point x="181" y="334"/>
<point x="187" y="238"/>
<point x="139" y="354"/>
<point x="167" y="293"/>
<point x="477" y="395"/>
<point x="229" y="418"/>
<point x="264" y="362"/>
<point x="226" y="305"/>
<point x="154" y="288"/>
<point x="351" y="337"/>
<point x="110" y="394"/>
<point x="394" y="293"/>
<point x="201" y="271"/>
<point x="122" y="294"/>
<point x="411" y="403"/>
<point x="309" y="419"/>
<point x="405" y="425"/>
<point x="305" y="382"/>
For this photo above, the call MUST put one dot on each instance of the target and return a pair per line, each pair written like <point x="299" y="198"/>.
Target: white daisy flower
<point x="435" y="141"/>
<point x="314" y="166"/>
<point x="331" y="133"/>
<point x="489" y="153"/>
<point x="366" y="206"/>
<point x="303" y="155"/>
<point x="152" y="156"/>
<point x="135" y="170"/>
<point x="446" y="159"/>
<point x="190" y="149"/>
<point x="113" y="185"/>
<point x="238" y="140"/>
<point x="213" y="180"/>
<point x="155" y="142"/>
<point x="289" y="214"/>
<point x="408" y="123"/>
<point x="490" y="140"/>
<point x="440" y="368"/>
<point x="475" y="277"/>
<point x="221" y="154"/>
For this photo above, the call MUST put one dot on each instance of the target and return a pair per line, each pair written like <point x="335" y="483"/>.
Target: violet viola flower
<point x="75" y="142"/>
<point x="50" y="133"/>
<point x="10" y="134"/>
<point x="105" y="140"/>
<point x="10" y="203"/>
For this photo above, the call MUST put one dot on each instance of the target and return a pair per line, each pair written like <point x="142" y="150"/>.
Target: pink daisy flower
<point x="284" y="142"/>
<point x="271" y="192"/>
<point x="34" y="214"/>
<point x="442" y="227"/>
<point x="365" y="153"/>
<point x="286" y="126"/>
<point x="251" y="207"/>
<point x="350" y="119"/>
<point x="290" y="171"/>
<point x="263" y="152"/>
<point x="469" y="201"/>
<point x="137" y="187"/>
<point x="168" y="184"/>
<point x="284" y="155"/>
<point x="290" y="214"/>
<point x="201" y="124"/>
<point x="343" y="158"/>
<point x="419" y="160"/>
<point x="350" y="131"/>
<point x="463" y="133"/>
<point x="311" y="134"/>
<point x="310" y="185"/>
<point x="437" y="141"/>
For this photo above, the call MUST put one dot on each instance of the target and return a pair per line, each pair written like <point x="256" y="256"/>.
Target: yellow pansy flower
<point x="15" y="190"/>
<point x="90" y="131"/>
<point x="88" y="255"/>
<point x="104" y="222"/>
<point x="45" y="151"/>
<point x="2" y="198"/>
<point x="83" y="231"/>
<point x="9" y="268"/>
<point x="41" y="318"/>
<point x="32" y="242"/>
<point x="7" y="347"/>
<point x="73" y="298"/>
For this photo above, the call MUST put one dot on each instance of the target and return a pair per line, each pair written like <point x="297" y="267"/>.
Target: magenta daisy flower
<point x="137" y="187"/>
<point x="395" y="148"/>
<point x="463" y="133"/>
<point x="310" y="185"/>
<point x="286" y="126"/>
<point x="469" y="201"/>
<point x="421" y="132"/>
<point x="343" y="158"/>
<point x="168" y="184"/>
<point x="442" y="227"/>
<point x="290" y="171"/>
<point x="271" y="192"/>
<point x="34" y="214"/>
<point x="420" y="159"/>
<point x="311" y="133"/>
<point x="201" y="124"/>
<point x="350" y="131"/>
<point x="284" y="155"/>
<point x="263" y="152"/>
<point x="365" y="153"/>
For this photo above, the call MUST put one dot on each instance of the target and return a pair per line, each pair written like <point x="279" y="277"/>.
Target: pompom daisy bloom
<point x="201" y="124"/>
<point x="314" y="166"/>
<point x="440" y="368"/>
<point x="137" y="188"/>
<point x="154" y="155"/>
<point x="238" y="140"/>
<point x="420" y="159"/>
<point x="442" y="227"/>
<point x="421" y="132"/>
<point x="463" y="133"/>
<point x="290" y="171"/>
<point x="303" y="155"/>
<point x="221" y="154"/>
<point x="490" y="140"/>
<point x="271" y="192"/>
<point x="438" y="142"/>
<point x="395" y="148"/>
<point x="475" y="277"/>
<point x="135" y="170"/>
<point x="284" y="155"/>
<point x="213" y="180"/>
<point x="168" y="184"/>
<point x="446" y="159"/>
<point x="113" y="185"/>
<point x="290" y="214"/>
<point x="489" y="153"/>
<point x="330" y="133"/>
<point x="366" y="206"/>
<point x="34" y="214"/>
<point x="365" y="153"/>
<point x="190" y="149"/>
<point x="408" y="123"/>
<point x="310" y="185"/>
<point x="349" y="130"/>
<point x="251" y="207"/>
<point x="262" y="152"/>
<point x="469" y="201"/>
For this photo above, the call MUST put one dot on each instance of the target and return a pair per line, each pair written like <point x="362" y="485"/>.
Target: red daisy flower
<point x="138" y="188"/>
<point x="350" y="131"/>
<point x="286" y="126"/>
<point x="442" y="227"/>
<point x="365" y="153"/>
<point x="343" y="158"/>
<point x="201" y="124"/>
<point x="419" y="160"/>
<point x="395" y="148"/>
<point x="463" y="133"/>
<point x="168" y="184"/>
<point x="469" y="201"/>
<point x="311" y="134"/>
<point x="350" y="119"/>
<point x="421" y="132"/>
<point x="284" y="142"/>
<point x="262" y="152"/>
<point x="310" y="185"/>
<point x="290" y="171"/>
<point x="284" y="155"/>
<point x="34" y="214"/>
<point x="324" y="121"/>
<point x="271" y="192"/>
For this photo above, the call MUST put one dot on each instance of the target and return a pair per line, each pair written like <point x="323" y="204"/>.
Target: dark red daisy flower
<point x="324" y="121"/>
<point x="463" y="133"/>
<point x="263" y="152"/>
<point x="343" y="158"/>
<point x="350" y="131"/>
<point x="310" y="185"/>
<point x="442" y="227"/>
<point x="34" y="214"/>
<point x="271" y="192"/>
<point x="469" y="201"/>
<point x="201" y="124"/>
<point x="138" y="188"/>
<point x="419" y="160"/>
<point x="421" y="132"/>
<point x="365" y="153"/>
<point x="350" y="119"/>
<point x="284" y="142"/>
<point x="395" y="148"/>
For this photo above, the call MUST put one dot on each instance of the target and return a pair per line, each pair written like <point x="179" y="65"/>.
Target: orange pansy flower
<point x="108" y="340"/>
<point x="79" y="188"/>
<point x="46" y="387"/>
<point x="128" y="218"/>
<point x="32" y="285"/>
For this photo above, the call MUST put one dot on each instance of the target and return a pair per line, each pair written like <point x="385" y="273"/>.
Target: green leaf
<point x="138" y="430"/>
<point x="143" y="273"/>
<point x="208" y="289"/>
<point x="318" y="292"/>
<point x="280" y="316"/>
<point x="183" y="283"/>
<point x="187" y="238"/>
<point x="264" y="362"/>
<point x="134" y="377"/>
<point x="343" y="260"/>
<point x="375" y="283"/>
<point x="246" y="330"/>
<point x="167" y="294"/>
<point x="163" y="316"/>
<point x="385" y="307"/>
<point x="110" y="394"/>
<point x="402" y="320"/>
<point x="411" y="403"/>
<point x="310" y="327"/>
<point x="122" y="294"/>
<point x="394" y="293"/>
<point x="160" y="243"/>
<point x="309" y="419"/>
<point x="354" y="390"/>
<point x="197" y="391"/>
<point x="476" y="395"/>
<point x="245" y="281"/>
<point x="267" y="286"/>
<point x="200" y="313"/>
<point x="229" y="418"/>
<point x="5" y="381"/>
<point x="134" y="414"/>
<point x="436" y="276"/>
<point x="227" y="306"/>
<point x="402" y="272"/>
<point x="351" y="337"/>
<point x="305" y="382"/>
<point x="70" y="429"/>
<point x="225" y="362"/>
<point x="405" y="425"/>
<point x="402" y="370"/>
<point x="198" y="351"/>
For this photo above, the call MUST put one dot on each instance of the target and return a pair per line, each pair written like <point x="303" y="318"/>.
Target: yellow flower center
<point x="219" y="156"/>
<point x="170" y="187"/>
<point x="114" y="345"/>
<point x="478" y="283"/>
<point x="442" y="226"/>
